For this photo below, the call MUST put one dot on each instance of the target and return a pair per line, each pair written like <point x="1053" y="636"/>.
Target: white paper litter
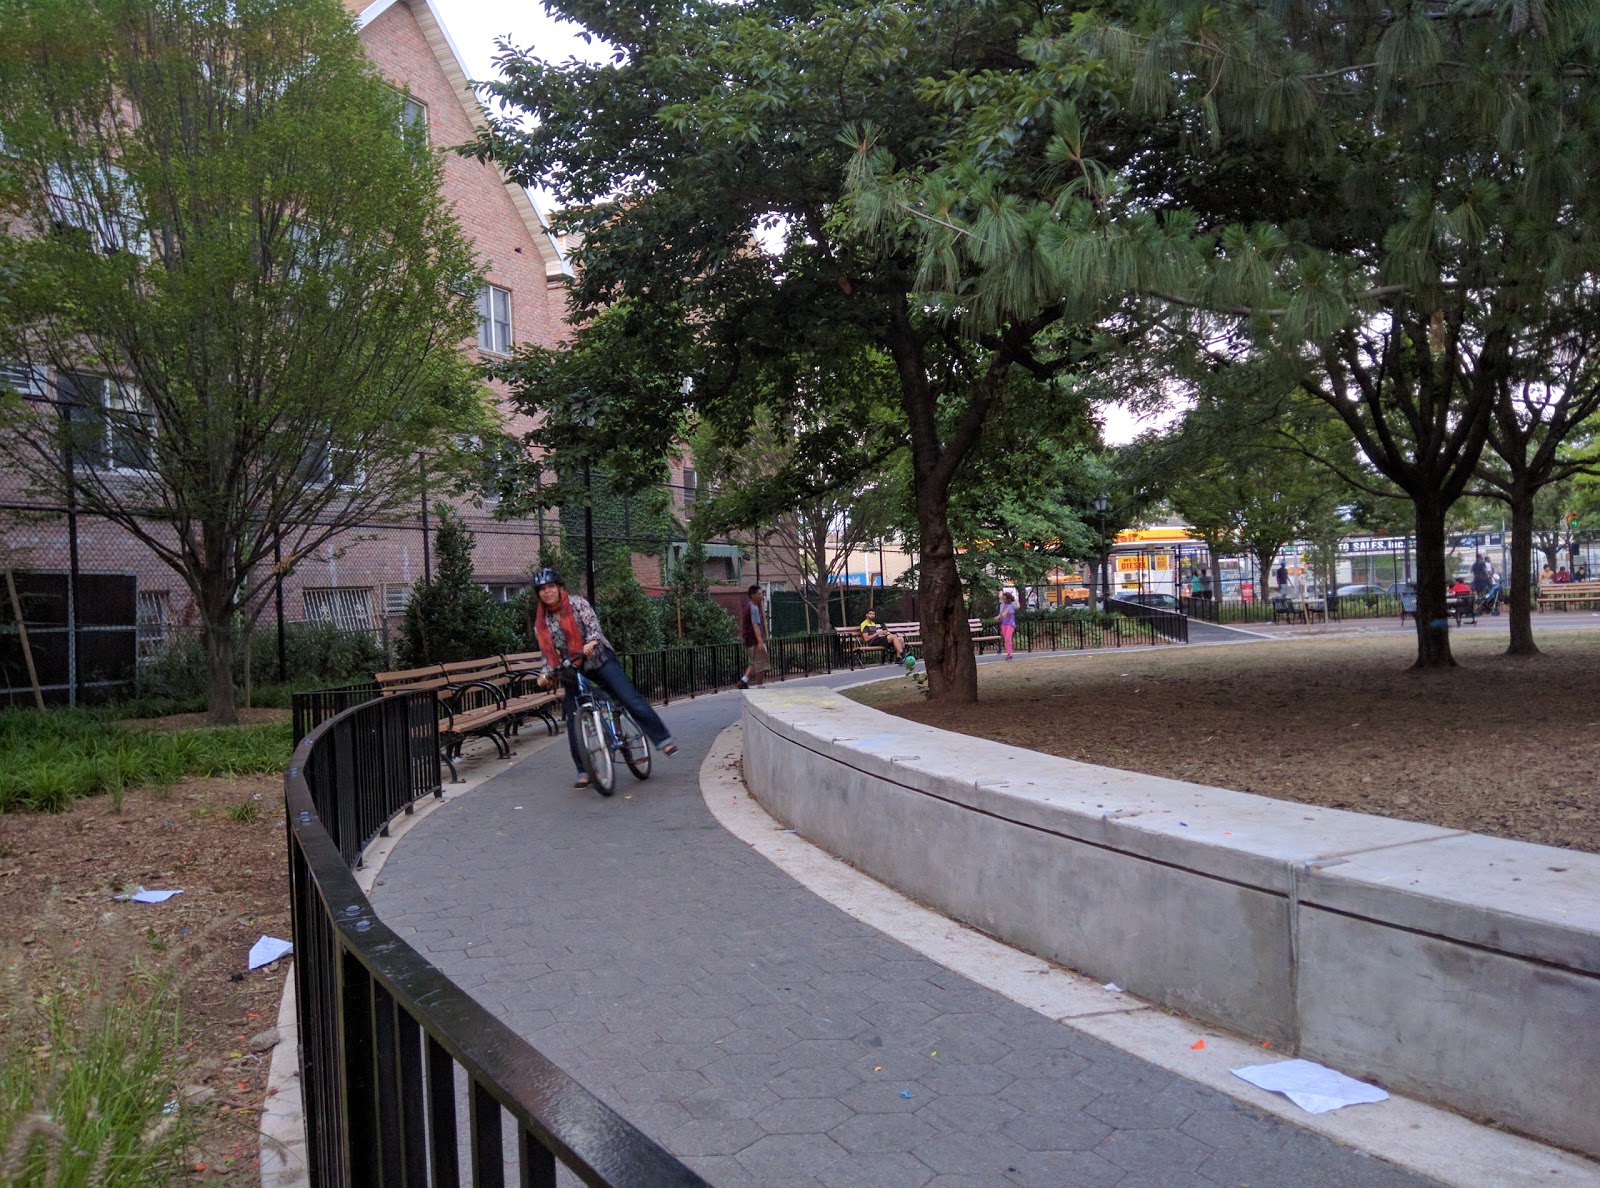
<point x="1113" y="987"/>
<point x="267" y="950"/>
<point x="1311" y="1086"/>
<point x="143" y="896"/>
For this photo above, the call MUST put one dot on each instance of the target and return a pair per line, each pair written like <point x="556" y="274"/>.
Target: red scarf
<point x="569" y="630"/>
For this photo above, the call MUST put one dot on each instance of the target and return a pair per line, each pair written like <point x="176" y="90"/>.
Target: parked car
<point x="1159" y="601"/>
<point x="1396" y="589"/>
<point x="1364" y="592"/>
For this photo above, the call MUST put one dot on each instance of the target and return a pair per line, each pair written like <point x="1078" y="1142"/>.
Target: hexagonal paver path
<point x="766" y="1037"/>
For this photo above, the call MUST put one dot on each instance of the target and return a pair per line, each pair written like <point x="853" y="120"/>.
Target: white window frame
<point x="494" y="333"/>
<point x="112" y="400"/>
<point x="22" y="378"/>
<point x="349" y="608"/>
<point x="153" y="622"/>
<point x="112" y="231"/>
<point x="396" y="597"/>
<point x="413" y="111"/>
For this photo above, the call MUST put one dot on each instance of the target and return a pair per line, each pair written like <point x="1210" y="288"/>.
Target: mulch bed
<point x="58" y="874"/>
<point x="1499" y="745"/>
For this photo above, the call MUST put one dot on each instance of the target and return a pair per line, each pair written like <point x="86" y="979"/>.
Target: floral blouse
<point x="588" y="627"/>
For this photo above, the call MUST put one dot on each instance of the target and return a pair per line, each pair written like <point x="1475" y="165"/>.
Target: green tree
<point x="687" y="612"/>
<point x="1391" y="197"/>
<point x="233" y="278"/>
<point x="1240" y="475"/>
<point x="815" y="127"/>
<point x="451" y="617"/>
<point x="631" y="621"/>
<point x="811" y="495"/>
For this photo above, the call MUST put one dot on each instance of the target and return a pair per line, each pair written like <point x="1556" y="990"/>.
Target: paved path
<point x="766" y="1037"/>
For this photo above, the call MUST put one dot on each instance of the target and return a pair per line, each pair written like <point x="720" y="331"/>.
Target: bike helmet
<point x="547" y="577"/>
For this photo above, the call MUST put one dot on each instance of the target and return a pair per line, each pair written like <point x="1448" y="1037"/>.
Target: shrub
<point x="626" y="612"/>
<point x="688" y="614"/>
<point x="452" y="617"/>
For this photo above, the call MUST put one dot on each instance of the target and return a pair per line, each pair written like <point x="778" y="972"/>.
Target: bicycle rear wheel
<point x="635" y="747"/>
<point x="595" y="749"/>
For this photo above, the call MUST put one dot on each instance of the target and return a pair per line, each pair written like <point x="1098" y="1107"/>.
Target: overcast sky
<point x="474" y="25"/>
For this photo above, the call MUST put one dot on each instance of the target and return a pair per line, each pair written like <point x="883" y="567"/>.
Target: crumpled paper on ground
<point x="1314" y="1088"/>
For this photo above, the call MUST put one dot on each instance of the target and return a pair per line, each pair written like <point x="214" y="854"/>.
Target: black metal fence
<point x="391" y="1051"/>
<point x="1164" y="625"/>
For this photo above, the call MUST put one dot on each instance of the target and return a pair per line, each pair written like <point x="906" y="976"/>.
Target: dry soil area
<point x="1504" y="746"/>
<point x="222" y="842"/>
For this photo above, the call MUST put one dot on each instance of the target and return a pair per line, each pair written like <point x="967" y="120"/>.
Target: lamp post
<point x="1101" y="502"/>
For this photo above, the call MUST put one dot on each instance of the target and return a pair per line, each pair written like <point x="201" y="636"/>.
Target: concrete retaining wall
<point x="1452" y="967"/>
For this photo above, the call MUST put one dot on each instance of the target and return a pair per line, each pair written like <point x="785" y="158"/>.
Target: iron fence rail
<point x="384" y="1036"/>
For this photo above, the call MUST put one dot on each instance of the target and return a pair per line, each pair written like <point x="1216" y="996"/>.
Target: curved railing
<point x="406" y="1079"/>
<point x="1172" y="626"/>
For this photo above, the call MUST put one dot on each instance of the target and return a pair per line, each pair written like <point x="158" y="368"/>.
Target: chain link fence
<point x="90" y="608"/>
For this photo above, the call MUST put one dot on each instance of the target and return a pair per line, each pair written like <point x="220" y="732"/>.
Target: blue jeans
<point x="610" y="677"/>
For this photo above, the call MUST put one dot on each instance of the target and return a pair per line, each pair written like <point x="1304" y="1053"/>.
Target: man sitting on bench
<point x="875" y="633"/>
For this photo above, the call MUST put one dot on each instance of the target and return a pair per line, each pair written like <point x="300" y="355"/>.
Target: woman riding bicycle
<point x="568" y="629"/>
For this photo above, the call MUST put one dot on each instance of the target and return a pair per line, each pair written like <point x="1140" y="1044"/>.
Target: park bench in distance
<point x="856" y="648"/>
<point x="1561" y="595"/>
<point x="476" y="699"/>
<point x="1462" y="606"/>
<point x="1303" y="610"/>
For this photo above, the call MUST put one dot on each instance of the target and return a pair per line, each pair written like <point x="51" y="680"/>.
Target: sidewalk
<point x="766" y="1037"/>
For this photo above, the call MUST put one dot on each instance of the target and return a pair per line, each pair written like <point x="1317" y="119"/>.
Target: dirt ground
<point x="1504" y="746"/>
<point x="220" y="840"/>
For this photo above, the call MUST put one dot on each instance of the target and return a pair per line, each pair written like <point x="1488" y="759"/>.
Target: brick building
<point x="363" y="579"/>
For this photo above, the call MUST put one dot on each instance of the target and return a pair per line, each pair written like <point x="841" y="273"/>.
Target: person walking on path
<point x="1008" y="620"/>
<point x="1283" y="577"/>
<point x="753" y="633"/>
<point x="569" y="629"/>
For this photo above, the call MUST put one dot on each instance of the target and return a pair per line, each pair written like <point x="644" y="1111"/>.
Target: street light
<point x="1101" y="502"/>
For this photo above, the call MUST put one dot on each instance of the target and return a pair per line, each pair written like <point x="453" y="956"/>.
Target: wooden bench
<point x="855" y="647"/>
<point x="475" y="699"/>
<point x="1301" y="609"/>
<point x="1561" y="595"/>
<point x="1461" y="606"/>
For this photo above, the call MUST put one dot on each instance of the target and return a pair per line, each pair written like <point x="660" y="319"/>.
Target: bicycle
<point x="605" y="728"/>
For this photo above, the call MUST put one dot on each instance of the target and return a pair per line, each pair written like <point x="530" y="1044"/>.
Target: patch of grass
<point x="246" y="812"/>
<point x="49" y="760"/>
<point x="90" y="1064"/>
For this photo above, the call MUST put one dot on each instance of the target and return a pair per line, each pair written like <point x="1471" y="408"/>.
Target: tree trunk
<point x="1264" y="563"/>
<point x="217" y="629"/>
<point x="946" y="642"/>
<point x="1519" y="603"/>
<point x="1433" y="607"/>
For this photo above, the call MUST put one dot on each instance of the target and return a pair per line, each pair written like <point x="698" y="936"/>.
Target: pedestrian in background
<point x="1008" y="619"/>
<point x="753" y="632"/>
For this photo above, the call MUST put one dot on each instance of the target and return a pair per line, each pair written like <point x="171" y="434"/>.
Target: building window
<point x="154" y="619"/>
<point x="413" y="114"/>
<point x="349" y="608"/>
<point x="506" y="591"/>
<point x="395" y="600"/>
<point x="20" y="378"/>
<point x="494" y="319"/>
<point x="113" y="425"/>
<point x="97" y="203"/>
<point x="691" y="487"/>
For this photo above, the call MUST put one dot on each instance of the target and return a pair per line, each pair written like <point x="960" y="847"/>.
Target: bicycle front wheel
<point x="595" y="749"/>
<point x="635" y="747"/>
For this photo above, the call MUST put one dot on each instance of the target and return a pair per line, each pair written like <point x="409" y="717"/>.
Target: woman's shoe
<point x="583" y="781"/>
<point x="668" y="748"/>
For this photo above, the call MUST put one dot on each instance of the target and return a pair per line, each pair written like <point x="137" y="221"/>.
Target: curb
<point x="1410" y="1134"/>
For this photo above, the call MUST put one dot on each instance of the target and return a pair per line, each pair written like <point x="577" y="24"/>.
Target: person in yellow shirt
<point x="874" y="632"/>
